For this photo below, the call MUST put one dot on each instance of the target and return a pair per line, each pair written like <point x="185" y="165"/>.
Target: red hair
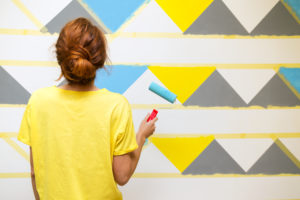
<point x="80" y="51"/>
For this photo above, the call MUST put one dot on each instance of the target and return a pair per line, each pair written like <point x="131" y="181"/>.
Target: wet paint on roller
<point x="163" y="92"/>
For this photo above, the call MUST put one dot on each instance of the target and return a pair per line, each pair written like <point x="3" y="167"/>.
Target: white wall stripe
<point x="224" y="121"/>
<point x="194" y="50"/>
<point x="38" y="48"/>
<point x="200" y="121"/>
<point x="16" y="188"/>
<point x="246" y="188"/>
<point x="165" y="50"/>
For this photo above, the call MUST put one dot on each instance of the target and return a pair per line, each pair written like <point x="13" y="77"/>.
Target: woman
<point x="81" y="138"/>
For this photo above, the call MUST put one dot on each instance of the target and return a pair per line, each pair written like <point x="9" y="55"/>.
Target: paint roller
<point x="162" y="92"/>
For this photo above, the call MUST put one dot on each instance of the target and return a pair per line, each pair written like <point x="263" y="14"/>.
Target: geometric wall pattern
<point x="212" y="17"/>
<point x="210" y="87"/>
<point x="263" y="146"/>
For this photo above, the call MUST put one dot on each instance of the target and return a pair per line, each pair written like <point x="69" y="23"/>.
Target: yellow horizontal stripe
<point x="165" y="175"/>
<point x="179" y="107"/>
<point x="175" y="175"/>
<point x="5" y="31"/>
<point x="229" y="136"/>
<point x="12" y="105"/>
<point x="15" y="175"/>
<point x="184" y="36"/>
<point x="111" y="36"/>
<point x="233" y="136"/>
<point x="30" y="63"/>
<point x="8" y="135"/>
<point x="182" y="107"/>
<point x="217" y="65"/>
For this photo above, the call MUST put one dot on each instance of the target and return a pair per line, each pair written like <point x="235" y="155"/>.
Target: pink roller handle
<point x="153" y="115"/>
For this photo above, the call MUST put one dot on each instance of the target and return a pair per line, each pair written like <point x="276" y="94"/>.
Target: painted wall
<point x="234" y="131"/>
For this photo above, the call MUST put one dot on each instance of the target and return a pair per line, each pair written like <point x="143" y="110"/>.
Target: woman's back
<point x="74" y="136"/>
<point x="82" y="140"/>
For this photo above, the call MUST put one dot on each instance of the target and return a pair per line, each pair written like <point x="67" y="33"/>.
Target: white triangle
<point x="250" y="12"/>
<point x="247" y="82"/>
<point x="152" y="19"/>
<point x="11" y="160"/>
<point x="293" y="145"/>
<point x="245" y="151"/>
<point x="33" y="78"/>
<point x="13" y="18"/>
<point x="153" y="161"/>
<point x="138" y="92"/>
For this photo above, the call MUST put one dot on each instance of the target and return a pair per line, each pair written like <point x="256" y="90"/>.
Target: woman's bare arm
<point x="124" y="165"/>
<point x="33" y="177"/>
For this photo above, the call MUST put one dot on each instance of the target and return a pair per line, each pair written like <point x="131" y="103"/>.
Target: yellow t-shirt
<point x="74" y="136"/>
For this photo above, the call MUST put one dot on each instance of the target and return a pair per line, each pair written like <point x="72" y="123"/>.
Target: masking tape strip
<point x="232" y="136"/>
<point x="23" y="8"/>
<point x="16" y="147"/>
<point x="290" y="10"/>
<point x="217" y="65"/>
<point x="166" y="175"/>
<point x="288" y="153"/>
<point x="223" y="136"/>
<point x="30" y="63"/>
<point x="179" y="107"/>
<point x="175" y="175"/>
<point x="15" y="175"/>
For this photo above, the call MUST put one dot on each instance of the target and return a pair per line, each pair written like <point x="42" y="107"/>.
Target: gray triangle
<point x="217" y="19"/>
<point x="274" y="161"/>
<point x="278" y="22"/>
<point x="11" y="92"/>
<point x="215" y="91"/>
<point x="72" y="11"/>
<point x="275" y="93"/>
<point x="214" y="159"/>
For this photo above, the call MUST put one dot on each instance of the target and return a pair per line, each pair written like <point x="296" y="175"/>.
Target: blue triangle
<point x="113" y="13"/>
<point x="292" y="75"/>
<point x="118" y="78"/>
<point x="295" y="5"/>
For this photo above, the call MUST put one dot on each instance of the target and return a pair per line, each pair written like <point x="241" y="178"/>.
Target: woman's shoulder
<point x="42" y="91"/>
<point x="116" y="97"/>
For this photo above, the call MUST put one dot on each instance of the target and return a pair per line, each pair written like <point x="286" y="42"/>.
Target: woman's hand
<point x="146" y="129"/>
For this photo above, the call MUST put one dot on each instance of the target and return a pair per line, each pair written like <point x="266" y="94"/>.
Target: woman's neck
<point x="78" y="87"/>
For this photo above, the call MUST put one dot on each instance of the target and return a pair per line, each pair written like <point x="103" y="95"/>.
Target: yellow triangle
<point x="182" y="151"/>
<point x="183" y="81"/>
<point x="184" y="13"/>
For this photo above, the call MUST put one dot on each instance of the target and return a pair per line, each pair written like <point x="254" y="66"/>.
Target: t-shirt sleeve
<point x="24" y="131"/>
<point x="123" y="129"/>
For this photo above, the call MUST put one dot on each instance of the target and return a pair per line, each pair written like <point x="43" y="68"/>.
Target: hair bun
<point x="81" y="69"/>
<point x="80" y="51"/>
